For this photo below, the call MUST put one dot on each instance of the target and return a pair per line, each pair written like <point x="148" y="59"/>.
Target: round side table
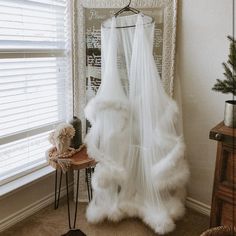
<point x="78" y="161"/>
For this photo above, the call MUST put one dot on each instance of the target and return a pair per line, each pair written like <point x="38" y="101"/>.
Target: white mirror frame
<point x="79" y="54"/>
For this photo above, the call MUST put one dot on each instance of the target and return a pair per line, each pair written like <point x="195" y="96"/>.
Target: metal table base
<point x="88" y="175"/>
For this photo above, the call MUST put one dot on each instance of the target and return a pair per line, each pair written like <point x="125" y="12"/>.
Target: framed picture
<point x="90" y="14"/>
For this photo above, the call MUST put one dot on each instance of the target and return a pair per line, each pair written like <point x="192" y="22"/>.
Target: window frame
<point x="67" y="52"/>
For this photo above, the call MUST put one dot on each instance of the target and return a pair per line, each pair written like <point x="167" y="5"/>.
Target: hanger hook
<point x="129" y="3"/>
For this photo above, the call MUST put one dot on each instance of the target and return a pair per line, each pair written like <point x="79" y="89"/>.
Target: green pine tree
<point x="229" y="84"/>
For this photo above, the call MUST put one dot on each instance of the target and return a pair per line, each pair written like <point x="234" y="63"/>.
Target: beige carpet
<point x="49" y="222"/>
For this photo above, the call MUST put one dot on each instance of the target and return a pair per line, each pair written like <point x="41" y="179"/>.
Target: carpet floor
<point x="49" y="222"/>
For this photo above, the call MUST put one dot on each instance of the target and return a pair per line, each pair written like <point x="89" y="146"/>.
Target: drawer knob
<point x="218" y="137"/>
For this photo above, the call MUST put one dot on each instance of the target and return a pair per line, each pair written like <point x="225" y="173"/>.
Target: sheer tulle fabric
<point x="141" y="171"/>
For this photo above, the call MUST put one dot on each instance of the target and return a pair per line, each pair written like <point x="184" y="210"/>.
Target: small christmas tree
<point x="229" y="84"/>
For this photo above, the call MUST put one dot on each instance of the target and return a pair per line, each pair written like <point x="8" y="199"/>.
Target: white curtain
<point x="141" y="171"/>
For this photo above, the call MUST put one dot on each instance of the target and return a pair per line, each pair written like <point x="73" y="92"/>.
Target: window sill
<point x="25" y="180"/>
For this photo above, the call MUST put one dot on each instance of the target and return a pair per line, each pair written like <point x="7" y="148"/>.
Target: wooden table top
<point x="79" y="160"/>
<point x="223" y="133"/>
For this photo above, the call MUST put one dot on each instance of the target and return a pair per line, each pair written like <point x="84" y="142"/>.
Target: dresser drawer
<point x="223" y="207"/>
<point x="228" y="168"/>
<point x="228" y="214"/>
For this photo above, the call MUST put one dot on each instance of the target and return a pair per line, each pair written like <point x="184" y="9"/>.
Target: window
<point x="35" y="81"/>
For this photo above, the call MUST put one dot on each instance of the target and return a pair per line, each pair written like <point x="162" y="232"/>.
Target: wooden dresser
<point x="223" y="210"/>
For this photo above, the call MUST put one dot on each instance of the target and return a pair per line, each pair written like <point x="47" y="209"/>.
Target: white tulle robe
<point x="141" y="170"/>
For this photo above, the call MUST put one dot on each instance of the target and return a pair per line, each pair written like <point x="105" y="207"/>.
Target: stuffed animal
<point x="61" y="137"/>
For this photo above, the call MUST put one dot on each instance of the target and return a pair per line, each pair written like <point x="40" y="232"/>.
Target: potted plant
<point x="228" y="85"/>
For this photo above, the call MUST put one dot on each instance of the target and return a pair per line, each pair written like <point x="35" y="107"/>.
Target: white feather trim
<point x="104" y="176"/>
<point x="97" y="105"/>
<point x="158" y="220"/>
<point x="95" y="213"/>
<point x="171" y="171"/>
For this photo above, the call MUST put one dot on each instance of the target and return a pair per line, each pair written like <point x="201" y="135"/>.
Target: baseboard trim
<point x="198" y="206"/>
<point x="31" y="209"/>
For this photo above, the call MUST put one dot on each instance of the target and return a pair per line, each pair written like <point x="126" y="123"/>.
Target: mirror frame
<point x="79" y="44"/>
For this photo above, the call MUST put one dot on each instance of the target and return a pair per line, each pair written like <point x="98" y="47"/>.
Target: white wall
<point x="201" y="48"/>
<point x="28" y="199"/>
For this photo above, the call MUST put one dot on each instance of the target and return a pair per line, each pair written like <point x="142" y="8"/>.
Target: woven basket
<point x="220" y="231"/>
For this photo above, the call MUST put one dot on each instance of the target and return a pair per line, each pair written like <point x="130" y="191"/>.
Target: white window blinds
<point x="35" y="80"/>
